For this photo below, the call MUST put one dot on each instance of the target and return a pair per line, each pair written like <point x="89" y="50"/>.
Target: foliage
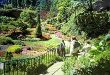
<point x="19" y="42"/>
<point x="38" y="32"/>
<point x="24" y="3"/>
<point x="95" y="62"/>
<point x="59" y="58"/>
<point x="8" y="56"/>
<point x="21" y="25"/>
<point x="14" y="48"/>
<point x="4" y="28"/>
<point x="93" y="23"/>
<point x="67" y="67"/>
<point x="5" y="19"/>
<point x="62" y="6"/>
<point x="9" y="24"/>
<point x="42" y="68"/>
<point x="5" y="40"/>
<point x="70" y="27"/>
<point x="28" y="16"/>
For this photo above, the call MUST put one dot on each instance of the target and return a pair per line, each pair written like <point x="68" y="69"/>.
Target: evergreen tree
<point x="38" y="27"/>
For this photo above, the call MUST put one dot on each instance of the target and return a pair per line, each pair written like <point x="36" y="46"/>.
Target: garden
<point x="32" y="30"/>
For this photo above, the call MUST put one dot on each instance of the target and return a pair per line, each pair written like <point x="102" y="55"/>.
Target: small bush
<point x="68" y="65"/>
<point x="19" y="42"/>
<point x="8" y="55"/>
<point x="5" y="40"/>
<point x="14" y="48"/>
<point x="38" y="32"/>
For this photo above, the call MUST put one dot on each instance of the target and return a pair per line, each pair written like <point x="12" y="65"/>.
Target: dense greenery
<point x="62" y="13"/>
<point x="5" y="40"/>
<point x="38" y="27"/>
<point x="35" y="23"/>
<point x="93" y="23"/>
<point x="28" y="16"/>
<point x="95" y="62"/>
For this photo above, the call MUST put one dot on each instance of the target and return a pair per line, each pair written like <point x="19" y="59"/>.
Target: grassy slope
<point x="48" y="44"/>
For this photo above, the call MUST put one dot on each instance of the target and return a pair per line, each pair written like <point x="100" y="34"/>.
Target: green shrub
<point x="18" y="24"/>
<point x="15" y="48"/>
<point x="8" y="56"/>
<point x="97" y="65"/>
<point x="29" y="17"/>
<point x="5" y="40"/>
<point x="68" y="65"/>
<point x="19" y="42"/>
<point x="4" y="28"/>
<point x="58" y="58"/>
<point x="5" y="19"/>
<point x="38" y="33"/>
<point x="96" y="62"/>
<point x="70" y="28"/>
<point x="7" y="27"/>
<point x="93" y="23"/>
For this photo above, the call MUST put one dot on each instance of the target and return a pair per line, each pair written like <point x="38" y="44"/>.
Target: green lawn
<point x="52" y="43"/>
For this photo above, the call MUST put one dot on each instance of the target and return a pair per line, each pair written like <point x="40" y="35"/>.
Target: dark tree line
<point x="22" y="3"/>
<point x="44" y="4"/>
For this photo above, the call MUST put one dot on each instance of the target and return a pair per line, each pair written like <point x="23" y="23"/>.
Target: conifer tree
<point x="38" y="27"/>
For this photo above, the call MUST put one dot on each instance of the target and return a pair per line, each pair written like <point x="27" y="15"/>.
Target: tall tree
<point x="38" y="27"/>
